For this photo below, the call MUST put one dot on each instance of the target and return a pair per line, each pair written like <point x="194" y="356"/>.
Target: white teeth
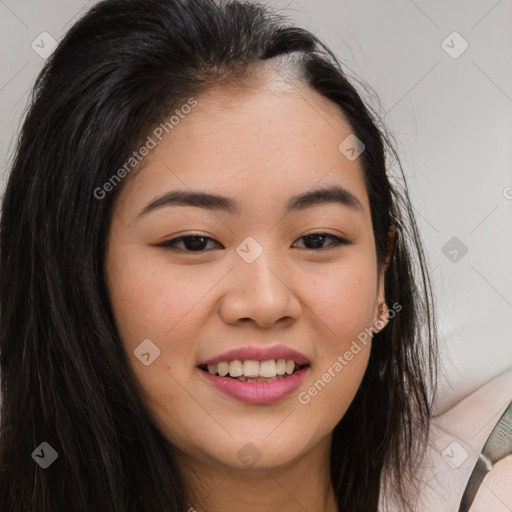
<point x="223" y="369"/>
<point x="236" y="368"/>
<point x="268" y="368"/>
<point x="249" y="370"/>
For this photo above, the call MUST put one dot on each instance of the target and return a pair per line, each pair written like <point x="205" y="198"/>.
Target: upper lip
<point x="258" y="354"/>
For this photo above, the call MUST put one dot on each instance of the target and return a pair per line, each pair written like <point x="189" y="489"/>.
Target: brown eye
<point x="316" y="240"/>
<point x="191" y="243"/>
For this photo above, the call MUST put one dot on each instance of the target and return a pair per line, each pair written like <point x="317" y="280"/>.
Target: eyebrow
<point x="209" y="201"/>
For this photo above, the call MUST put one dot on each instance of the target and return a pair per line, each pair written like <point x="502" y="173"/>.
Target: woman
<point x="213" y="295"/>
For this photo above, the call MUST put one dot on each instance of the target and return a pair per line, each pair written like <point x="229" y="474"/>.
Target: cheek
<point x="330" y="391"/>
<point x="153" y="299"/>
<point x="343" y="298"/>
<point x="344" y="301"/>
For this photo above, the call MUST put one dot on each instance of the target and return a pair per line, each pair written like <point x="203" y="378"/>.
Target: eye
<point x="316" y="240"/>
<point x="197" y="243"/>
<point x="192" y="243"/>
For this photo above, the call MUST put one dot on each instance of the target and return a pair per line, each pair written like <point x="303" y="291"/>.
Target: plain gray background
<point x="451" y="114"/>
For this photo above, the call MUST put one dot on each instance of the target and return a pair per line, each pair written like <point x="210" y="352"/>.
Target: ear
<point x="392" y="237"/>
<point x="381" y="298"/>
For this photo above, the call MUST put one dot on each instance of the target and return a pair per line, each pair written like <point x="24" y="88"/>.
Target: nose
<point x="261" y="292"/>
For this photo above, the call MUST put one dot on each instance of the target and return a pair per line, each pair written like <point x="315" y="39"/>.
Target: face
<point x="252" y="278"/>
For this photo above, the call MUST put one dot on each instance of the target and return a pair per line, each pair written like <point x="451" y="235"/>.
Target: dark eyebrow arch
<point x="329" y="194"/>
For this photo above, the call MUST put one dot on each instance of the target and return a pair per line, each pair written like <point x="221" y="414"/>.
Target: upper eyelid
<point x="341" y="240"/>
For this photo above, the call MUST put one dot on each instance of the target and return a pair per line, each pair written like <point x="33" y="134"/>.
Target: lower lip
<point x="269" y="392"/>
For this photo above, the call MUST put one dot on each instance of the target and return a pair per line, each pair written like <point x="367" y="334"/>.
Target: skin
<point x="259" y="144"/>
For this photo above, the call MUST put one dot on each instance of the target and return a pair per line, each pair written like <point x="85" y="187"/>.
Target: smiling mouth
<point x="254" y="371"/>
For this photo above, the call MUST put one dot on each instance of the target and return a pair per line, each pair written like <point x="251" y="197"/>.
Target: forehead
<point x="272" y="138"/>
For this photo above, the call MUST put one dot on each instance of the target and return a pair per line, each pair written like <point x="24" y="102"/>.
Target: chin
<point x="251" y="452"/>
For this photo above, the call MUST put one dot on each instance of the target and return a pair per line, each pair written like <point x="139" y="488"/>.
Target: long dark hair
<point x="65" y="379"/>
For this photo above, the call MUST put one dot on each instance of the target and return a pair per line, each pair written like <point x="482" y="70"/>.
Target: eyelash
<point x="171" y="244"/>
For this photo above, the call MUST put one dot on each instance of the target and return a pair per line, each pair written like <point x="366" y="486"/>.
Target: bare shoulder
<point x="495" y="494"/>
<point x="458" y="435"/>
